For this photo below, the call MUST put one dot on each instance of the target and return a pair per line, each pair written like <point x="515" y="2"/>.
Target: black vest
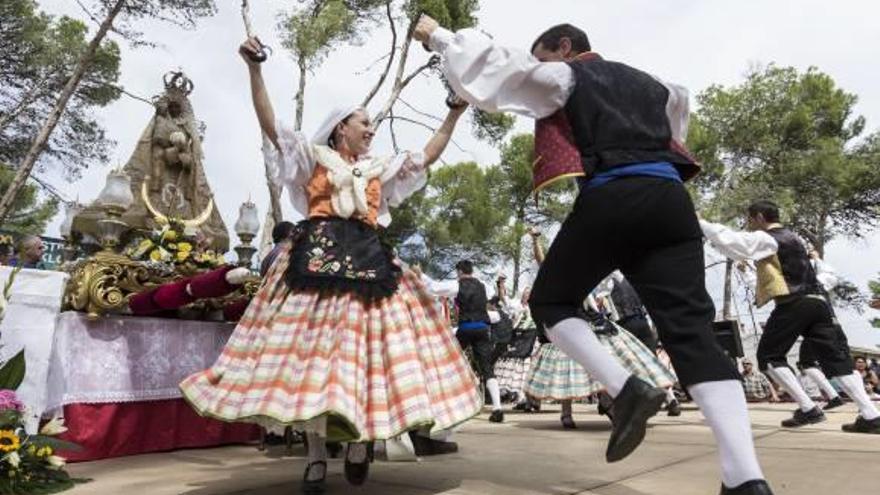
<point x="799" y="274"/>
<point x="626" y="300"/>
<point x="618" y="117"/>
<point x="471" y="301"/>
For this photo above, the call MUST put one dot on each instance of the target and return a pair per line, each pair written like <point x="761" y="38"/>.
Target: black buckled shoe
<point x="632" y="408"/>
<point x="315" y="486"/>
<point x="497" y="416"/>
<point x="801" y="418"/>
<point x="753" y="487"/>
<point x="673" y="409"/>
<point x="833" y="403"/>
<point x="568" y="422"/>
<point x="356" y="472"/>
<point x="425" y="446"/>
<point x="863" y="425"/>
<point x="605" y="404"/>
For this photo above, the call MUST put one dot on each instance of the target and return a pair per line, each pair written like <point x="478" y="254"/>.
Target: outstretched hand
<point x="425" y="27"/>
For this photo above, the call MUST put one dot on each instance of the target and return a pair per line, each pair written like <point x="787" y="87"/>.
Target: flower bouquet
<point x="172" y="246"/>
<point x="28" y="463"/>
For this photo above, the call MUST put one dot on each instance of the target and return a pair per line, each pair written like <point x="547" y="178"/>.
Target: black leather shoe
<point x="801" y="418"/>
<point x="754" y="487"/>
<point x="863" y="425"/>
<point x="568" y="422"/>
<point x="833" y="403"/>
<point x="314" y="486"/>
<point x="425" y="446"/>
<point x="356" y="472"/>
<point x="497" y="416"/>
<point x="673" y="409"/>
<point x="632" y="408"/>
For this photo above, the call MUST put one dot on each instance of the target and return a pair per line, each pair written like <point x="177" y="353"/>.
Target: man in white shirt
<point x="786" y="276"/>
<point x="633" y="213"/>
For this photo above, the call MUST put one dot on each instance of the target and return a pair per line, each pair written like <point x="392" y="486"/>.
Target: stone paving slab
<point x="529" y="454"/>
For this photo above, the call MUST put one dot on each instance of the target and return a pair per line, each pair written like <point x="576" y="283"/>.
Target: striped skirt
<point x="555" y="376"/>
<point x="371" y="372"/>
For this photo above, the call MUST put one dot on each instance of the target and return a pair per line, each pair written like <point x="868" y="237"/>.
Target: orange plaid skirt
<point x="374" y="371"/>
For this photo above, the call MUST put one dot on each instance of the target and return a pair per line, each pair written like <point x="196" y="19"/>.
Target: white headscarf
<point x="333" y="119"/>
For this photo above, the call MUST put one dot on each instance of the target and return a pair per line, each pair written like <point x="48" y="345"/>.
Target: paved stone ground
<point x="528" y="454"/>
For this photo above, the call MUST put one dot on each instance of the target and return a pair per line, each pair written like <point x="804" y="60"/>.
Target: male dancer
<point x="786" y="276"/>
<point x="633" y="213"/>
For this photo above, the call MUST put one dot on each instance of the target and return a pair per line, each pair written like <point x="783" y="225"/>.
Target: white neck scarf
<point x="349" y="181"/>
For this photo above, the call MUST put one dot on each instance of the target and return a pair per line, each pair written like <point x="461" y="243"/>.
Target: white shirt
<point x="826" y="275"/>
<point x="739" y="246"/>
<point x="499" y="79"/>
<point x="294" y="163"/>
<point x="440" y="288"/>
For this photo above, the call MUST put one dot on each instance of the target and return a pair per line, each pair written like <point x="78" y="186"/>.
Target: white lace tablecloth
<point x="29" y="324"/>
<point x="128" y="358"/>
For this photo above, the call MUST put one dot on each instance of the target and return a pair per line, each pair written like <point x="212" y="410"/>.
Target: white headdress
<point x="333" y="119"/>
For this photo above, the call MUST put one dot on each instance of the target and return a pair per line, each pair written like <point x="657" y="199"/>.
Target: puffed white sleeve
<point x="498" y="79"/>
<point x="405" y="174"/>
<point x="740" y="246"/>
<point x="292" y="163"/>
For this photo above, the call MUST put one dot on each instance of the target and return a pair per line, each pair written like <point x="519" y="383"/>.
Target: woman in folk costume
<point x="555" y="376"/>
<point x="339" y="341"/>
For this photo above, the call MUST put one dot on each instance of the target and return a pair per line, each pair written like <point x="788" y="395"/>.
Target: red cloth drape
<point x="113" y="430"/>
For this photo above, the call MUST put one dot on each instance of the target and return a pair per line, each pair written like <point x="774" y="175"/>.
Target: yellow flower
<point x="184" y="246"/>
<point x="142" y="248"/>
<point x="32" y="449"/>
<point x="156" y="255"/>
<point x="9" y="441"/>
<point x="182" y="255"/>
<point x="169" y="236"/>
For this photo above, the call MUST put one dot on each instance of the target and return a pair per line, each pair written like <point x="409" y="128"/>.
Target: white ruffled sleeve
<point x="405" y="174"/>
<point x="292" y="164"/>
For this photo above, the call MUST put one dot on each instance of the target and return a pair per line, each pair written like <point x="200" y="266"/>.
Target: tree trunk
<point x="39" y="144"/>
<point x="300" y="94"/>
<point x="726" y="312"/>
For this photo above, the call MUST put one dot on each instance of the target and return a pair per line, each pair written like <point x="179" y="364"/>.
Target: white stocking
<point x="855" y="389"/>
<point x="494" y="393"/>
<point x="723" y="404"/>
<point x="784" y="377"/>
<point x="821" y="381"/>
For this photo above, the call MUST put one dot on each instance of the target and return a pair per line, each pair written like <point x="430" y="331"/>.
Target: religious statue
<point x="167" y="172"/>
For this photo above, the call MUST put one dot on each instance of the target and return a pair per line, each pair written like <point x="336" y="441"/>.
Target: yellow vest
<point x="771" y="282"/>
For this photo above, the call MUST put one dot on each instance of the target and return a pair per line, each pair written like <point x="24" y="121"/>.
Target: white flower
<point x="13" y="459"/>
<point x="56" y="462"/>
<point x="54" y="427"/>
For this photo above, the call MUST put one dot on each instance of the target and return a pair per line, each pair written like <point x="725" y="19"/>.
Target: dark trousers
<point x="481" y="345"/>
<point x="647" y="228"/>
<point x="810" y="318"/>
<point x="640" y="328"/>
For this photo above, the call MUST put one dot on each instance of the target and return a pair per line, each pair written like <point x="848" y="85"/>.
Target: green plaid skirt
<point x="555" y="376"/>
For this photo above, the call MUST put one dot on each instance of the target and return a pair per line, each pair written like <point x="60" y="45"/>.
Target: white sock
<point x="494" y="393"/>
<point x="317" y="452"/>
<point x="670" y="396"/>
<point x="784" y="377"/>
<point x="855" y="389"/>
<point x="821" y="381"/>
<point x="575" y="338"/>
<point x="723" y="404"/>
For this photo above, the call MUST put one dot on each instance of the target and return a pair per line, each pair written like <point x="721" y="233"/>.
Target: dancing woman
<point x="340" y="341"/>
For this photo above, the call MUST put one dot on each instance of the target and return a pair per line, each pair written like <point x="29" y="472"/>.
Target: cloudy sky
<point x="692" y="42"/>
